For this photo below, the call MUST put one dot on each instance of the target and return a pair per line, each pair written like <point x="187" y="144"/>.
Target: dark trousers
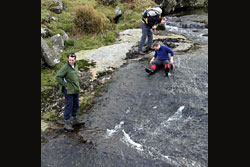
<point x="160" y="62"/>
<point x="72" y="104"/>
<point x="146" y="32"/>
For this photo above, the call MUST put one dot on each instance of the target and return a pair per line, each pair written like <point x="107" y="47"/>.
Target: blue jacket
<point x="163" y="52"/>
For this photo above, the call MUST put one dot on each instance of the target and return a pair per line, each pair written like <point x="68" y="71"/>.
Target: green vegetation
<point x="48" y="77"/>
<point x="69" y="43"/>
<point x="129" y="20"/>
<point x="161" y="27"/>
<point x="52" y="116"/>
<point x="206" y="23"/>
<point x="88" y="20"/>
<point x="132" y="13"/>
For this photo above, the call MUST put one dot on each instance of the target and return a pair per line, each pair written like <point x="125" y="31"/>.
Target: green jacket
<point x="70" y="75"/>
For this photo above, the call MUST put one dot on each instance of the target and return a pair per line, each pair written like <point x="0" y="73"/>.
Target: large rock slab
<point x="130" y="35"/>
<point x="107" y="58"/>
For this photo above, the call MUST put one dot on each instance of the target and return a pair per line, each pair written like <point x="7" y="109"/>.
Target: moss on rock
<point x="206" y="23"/>
<point x="52" y="116"/>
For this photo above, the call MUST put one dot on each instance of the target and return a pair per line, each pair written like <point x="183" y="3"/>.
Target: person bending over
<point x="150" y="19"/>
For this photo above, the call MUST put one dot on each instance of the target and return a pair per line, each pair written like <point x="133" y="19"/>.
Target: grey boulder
<point x="57" y="44"/>
<point x="48" y="55"/>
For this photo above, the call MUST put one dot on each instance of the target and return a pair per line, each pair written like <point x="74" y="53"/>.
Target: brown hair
<point x="155" y="44"/>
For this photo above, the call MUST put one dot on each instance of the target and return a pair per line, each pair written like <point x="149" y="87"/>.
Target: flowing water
<point x="192" y="26"/>
<point x="145" y="121"/>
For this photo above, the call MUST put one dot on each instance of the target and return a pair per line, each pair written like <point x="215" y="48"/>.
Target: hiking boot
<point x="141" y="53"/>
<point x="171" y="67"/>
<point x="75" y="122"/>
<point x="167" y="71"/>
<point x="149" y="70"/>
<point x="67" y="126"/>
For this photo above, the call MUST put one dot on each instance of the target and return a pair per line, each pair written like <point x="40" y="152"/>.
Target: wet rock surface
<point x="192" y="26"/>
<point x="143" y="120"/>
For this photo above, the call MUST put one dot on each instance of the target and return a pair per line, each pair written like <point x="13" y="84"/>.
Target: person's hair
<point x="155" y="44"/>
<point x="71" y="55"/>
<point x="164" y="18"/>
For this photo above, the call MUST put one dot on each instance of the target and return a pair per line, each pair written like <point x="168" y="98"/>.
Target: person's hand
<point x="171" y="60"/>
<point x="151" y="61"/>
<point x="66" y="87"/>
<point x="154" y="28"/>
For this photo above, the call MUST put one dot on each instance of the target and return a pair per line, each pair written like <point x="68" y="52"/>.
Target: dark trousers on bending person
<point x="72" y="104"/>
<point x="160" y="62"/>
<point x="146" y="32"/>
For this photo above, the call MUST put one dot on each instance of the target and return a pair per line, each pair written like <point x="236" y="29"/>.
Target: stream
<point x="145" y="121"/>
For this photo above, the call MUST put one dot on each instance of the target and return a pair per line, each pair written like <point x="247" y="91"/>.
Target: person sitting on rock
<point x="162" y="55"/>
<point x="150" y="18"/>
